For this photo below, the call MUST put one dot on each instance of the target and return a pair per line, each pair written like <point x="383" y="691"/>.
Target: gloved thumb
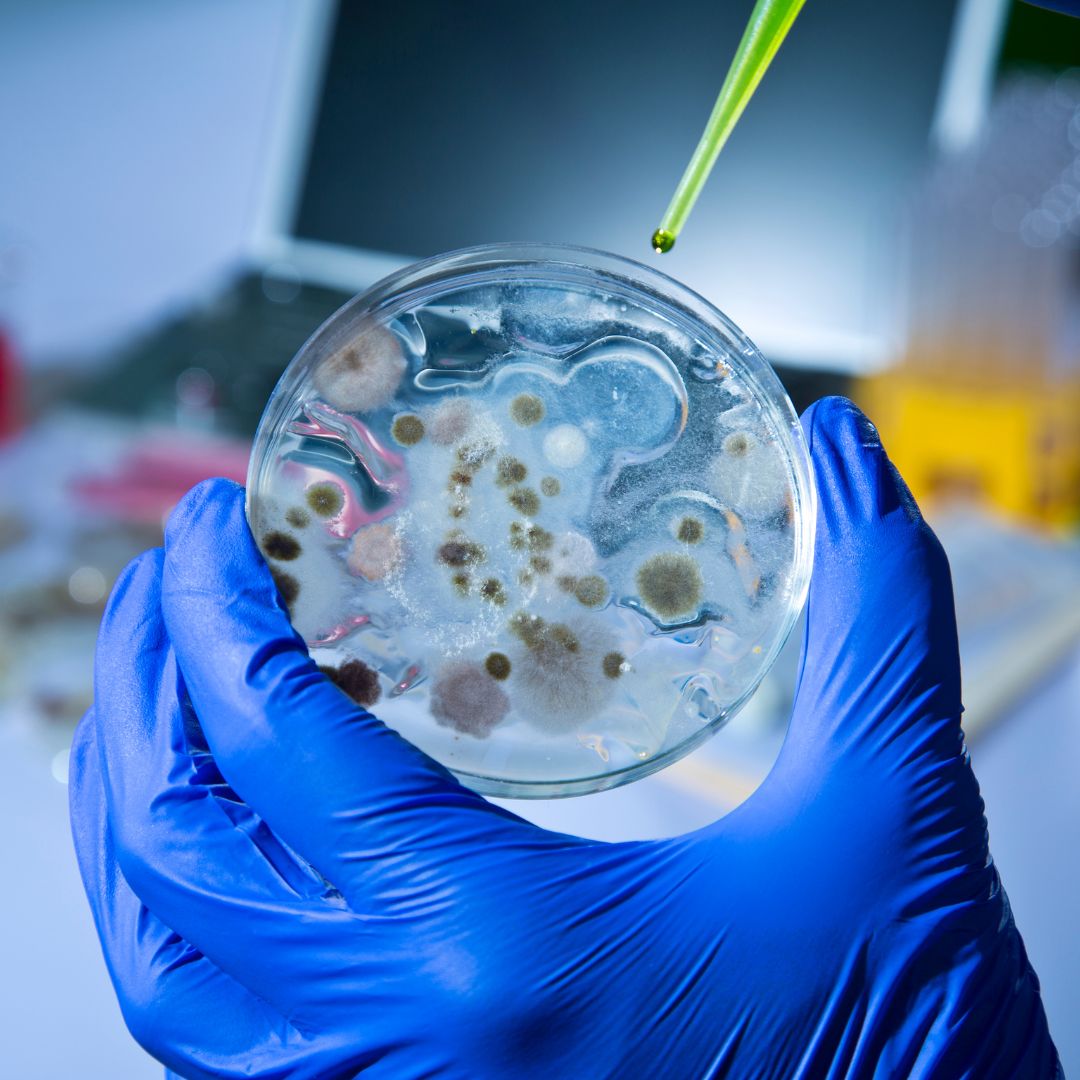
<point x="880" y="670"/>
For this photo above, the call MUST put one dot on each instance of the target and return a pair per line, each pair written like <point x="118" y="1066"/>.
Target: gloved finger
<point x="322" y="771"/>
<point x="880" y="665"/>
<point x="184" y="856"/>
<point x="178" y="1006"/>
<point x="296" y="873"/>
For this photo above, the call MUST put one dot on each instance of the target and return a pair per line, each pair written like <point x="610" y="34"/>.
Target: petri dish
<point x="545" y="511"/>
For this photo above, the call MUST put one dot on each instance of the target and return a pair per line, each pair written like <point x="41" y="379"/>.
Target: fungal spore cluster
<point x="545" y="536"/>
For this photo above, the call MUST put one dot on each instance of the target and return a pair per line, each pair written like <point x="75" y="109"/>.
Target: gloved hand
<point x="845" y="921"/>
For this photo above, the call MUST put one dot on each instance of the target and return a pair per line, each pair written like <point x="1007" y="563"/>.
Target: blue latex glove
<point x="845" y="921"/>
<point x="1066" y="7"/>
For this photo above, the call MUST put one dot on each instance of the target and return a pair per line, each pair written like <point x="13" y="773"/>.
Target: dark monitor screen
<point x="444" y="124"/>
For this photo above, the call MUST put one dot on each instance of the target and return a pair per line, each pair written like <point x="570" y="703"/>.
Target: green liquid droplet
<point x="663" y="241"/>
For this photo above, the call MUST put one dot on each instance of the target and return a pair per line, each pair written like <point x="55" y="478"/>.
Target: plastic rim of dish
<point x="612" y="277"/>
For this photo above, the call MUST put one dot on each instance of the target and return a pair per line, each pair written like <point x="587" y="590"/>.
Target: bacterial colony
<point x="543" y="535"/>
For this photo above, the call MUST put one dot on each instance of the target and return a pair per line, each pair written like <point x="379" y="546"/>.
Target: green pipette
<point x="767" y="28"/>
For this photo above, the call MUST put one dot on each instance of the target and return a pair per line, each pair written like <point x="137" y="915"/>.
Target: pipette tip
<point x="663" y="241"/>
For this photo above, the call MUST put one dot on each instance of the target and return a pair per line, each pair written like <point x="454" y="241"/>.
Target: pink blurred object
<point x="158" y="471"/>
<point x="11" y="388"/>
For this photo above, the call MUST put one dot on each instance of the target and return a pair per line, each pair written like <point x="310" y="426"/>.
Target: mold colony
<point x="475" y="546"/>
<point x="465" y="697"/>
<point x="325" y="499"/>
<point x="363" y="374"/>
<point x="357" y="679"/>
<point x="670" y="585"/>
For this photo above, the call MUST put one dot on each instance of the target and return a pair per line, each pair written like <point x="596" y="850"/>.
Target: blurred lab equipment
<point x="12" y="379"/>
<point x="983" y="403"/>
<point x="211" y="367"/>
<point x="11" y="387"/>
<point x="547" y="159"/>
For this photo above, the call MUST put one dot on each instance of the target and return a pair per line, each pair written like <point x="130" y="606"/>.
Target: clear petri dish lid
<point x="546" y="512"/>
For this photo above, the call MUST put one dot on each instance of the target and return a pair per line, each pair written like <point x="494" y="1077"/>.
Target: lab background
<point x="189" y="187"/>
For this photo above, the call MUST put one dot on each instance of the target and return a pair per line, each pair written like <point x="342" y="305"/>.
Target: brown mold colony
<point x="612" y="664"/>
<point x="527" y="410"/>
<point x="523" y="625"/>
<point x="466" y="698"/>
<point x="509" y="471"/>
<point x="497" y="665"/>
<point x="491" y="589"/>
<point x="538" y="633"/>
<point x="689" y="530"/>
<point x="280" y="545"/>
<point x="325" y="499"/>
<point x="474" y="455"/>
<point x="538" y="539"/>
<point x="670" y="585"/>
<point x="407" y="429"/>
<point x="591" y="591"/>
<point x="525" y="501"/>
<point x="738" y="443"/>
<point x="458" y="484"/>
<point x="364" y="374"/>
<point x="356" y="679"/>
<point x="297" y="517"/>
<point x="459" y="551"/>
<point x="287" y="586"/>
<point x="550" y="487"/>
<point x="530" y="537"/>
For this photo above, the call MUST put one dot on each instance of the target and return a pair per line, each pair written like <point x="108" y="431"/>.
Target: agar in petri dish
<point x="545" y="510"/>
